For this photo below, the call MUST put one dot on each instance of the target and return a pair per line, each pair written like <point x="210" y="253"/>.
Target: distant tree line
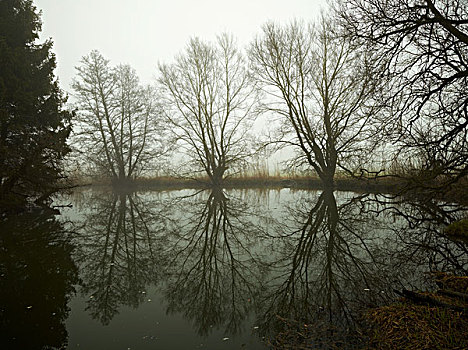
<point x="369" y="79"/>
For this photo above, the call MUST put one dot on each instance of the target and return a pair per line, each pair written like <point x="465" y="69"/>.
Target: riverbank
<point x="423" y="320"/>
<point x="419" y="320"/>
<point x="457" y="193"/>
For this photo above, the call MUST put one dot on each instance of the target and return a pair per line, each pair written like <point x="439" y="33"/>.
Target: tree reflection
<point x="416" y="236"/>
<point x="335" y="257"/>
<point x="323" y="268"/>
<point x="320" y="259"/>
<point x="119" y="252"/>
<point x="214" y="276"/>
<point x="37" y="276"/>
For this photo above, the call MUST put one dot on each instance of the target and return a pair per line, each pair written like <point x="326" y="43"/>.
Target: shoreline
<point x="456" y="193"/>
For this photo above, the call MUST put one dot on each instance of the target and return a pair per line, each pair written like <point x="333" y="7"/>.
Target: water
<point x="213" y="270"/>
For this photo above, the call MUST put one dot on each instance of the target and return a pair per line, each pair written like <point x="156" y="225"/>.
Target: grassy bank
<point x="300" y="182"/>
<point x="390" y="185"/>
<point x="436" y="320"/>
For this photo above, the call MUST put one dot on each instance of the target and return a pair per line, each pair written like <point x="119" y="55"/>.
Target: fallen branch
<point x="426" y="299"/>
<point x="454" y="294"/>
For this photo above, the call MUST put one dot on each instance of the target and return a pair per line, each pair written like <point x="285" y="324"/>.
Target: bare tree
<point x="207" y="97"/>
<point x="118" y="125"/>
<point x="424" y="46"/>
<point x="320" y="86"/>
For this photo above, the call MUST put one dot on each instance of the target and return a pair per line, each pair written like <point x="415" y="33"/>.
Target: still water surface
<point x="211" y="269"/>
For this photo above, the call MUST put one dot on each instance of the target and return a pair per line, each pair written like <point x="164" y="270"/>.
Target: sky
<point x="142" y="33"/>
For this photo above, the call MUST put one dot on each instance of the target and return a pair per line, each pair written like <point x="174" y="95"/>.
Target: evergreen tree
<point x="33" y="124"/>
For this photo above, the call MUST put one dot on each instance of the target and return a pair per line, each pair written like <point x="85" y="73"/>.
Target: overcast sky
<point x="143" y="32"/>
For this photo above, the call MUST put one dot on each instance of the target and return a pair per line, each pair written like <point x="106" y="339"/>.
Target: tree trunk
<point x="218" y="173"/>
<point x="327" y="178"/>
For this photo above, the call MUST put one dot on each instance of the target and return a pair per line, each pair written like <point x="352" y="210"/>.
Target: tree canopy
<point x="424" y="47"/>
<point x="320" y="87"/>
<point x="207" y="97"/>
<point x="118" y="127"/>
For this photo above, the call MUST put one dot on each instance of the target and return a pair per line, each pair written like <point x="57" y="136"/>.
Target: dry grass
<point x="272" y="182"/>
<point x="406" y="325"/>
<point x="269" y="181"/>
<point x="457" y="193"/>
<point x="167" y="182"/>
<point x="455" y="283"/>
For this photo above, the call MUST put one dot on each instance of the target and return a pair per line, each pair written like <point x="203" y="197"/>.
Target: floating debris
<point x="224" y="339"/>
<point x="29" y="307"/>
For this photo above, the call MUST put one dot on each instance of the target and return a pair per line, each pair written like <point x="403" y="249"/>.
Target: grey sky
<point x="143" y="32"/>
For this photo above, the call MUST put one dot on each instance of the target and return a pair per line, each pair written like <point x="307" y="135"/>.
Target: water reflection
<point x="337" y="254"/>
<point x="416" y="241"/>
<point x="214" y="275"/>
<point x="37" y="276"/>
<point x="201" y="251"/>
<point x="238" y="262"/>
<point x="119" y="253"/>
<point x="324" y="267"/>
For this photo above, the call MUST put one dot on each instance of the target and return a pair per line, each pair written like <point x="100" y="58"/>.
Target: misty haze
<point x="249" y="175"/>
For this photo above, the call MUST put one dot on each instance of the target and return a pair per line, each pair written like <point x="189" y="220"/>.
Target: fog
<point x="143" y="32"/>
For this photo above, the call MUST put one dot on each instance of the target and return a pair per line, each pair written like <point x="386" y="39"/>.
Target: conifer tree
<point x="33" y="123"/>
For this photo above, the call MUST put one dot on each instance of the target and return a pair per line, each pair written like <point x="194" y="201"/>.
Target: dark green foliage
<point x="33" y="125"/>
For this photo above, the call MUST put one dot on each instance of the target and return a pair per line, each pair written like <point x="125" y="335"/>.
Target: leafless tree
<point x="424" y="46"/>
<point x="118" y="126"/>
<point x="320" y="86"/>
<point x="207" y="97"/>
